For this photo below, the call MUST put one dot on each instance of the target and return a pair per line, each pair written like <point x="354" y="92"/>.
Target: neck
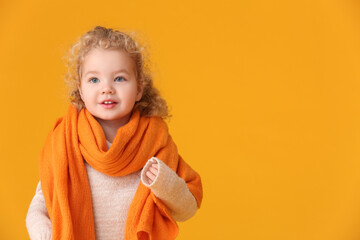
<point x="110" y="127"/>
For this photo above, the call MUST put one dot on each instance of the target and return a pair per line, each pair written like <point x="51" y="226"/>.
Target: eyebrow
<point x="118" y="71"/>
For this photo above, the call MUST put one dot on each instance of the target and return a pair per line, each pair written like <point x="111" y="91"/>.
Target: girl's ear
<point x="79" y="89"/>
<point x="140" y="91"/>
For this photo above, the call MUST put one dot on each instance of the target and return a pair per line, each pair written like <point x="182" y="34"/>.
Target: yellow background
<point x="264" y="96"/>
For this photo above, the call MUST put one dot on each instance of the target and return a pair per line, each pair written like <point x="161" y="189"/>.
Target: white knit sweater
<point x="111" y="198"/>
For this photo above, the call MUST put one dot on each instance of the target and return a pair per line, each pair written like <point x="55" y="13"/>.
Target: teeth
<point x="107" y="102"/>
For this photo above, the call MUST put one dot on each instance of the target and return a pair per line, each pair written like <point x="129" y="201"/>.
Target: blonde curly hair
<point x="151" y="103"/>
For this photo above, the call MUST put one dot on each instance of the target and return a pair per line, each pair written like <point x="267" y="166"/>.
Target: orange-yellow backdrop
<point x="264" y="96"/>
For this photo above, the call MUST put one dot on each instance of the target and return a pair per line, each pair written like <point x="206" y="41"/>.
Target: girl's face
<point x="108" y="85"/>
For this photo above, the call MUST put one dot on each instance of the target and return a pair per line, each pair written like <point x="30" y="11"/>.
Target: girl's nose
<point x="107" y="89"/>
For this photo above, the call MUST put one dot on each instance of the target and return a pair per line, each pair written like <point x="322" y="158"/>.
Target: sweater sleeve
<point x="38" y="222"/>
<point x="172" y="190"/>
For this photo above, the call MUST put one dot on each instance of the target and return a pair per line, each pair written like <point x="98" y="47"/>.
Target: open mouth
<point x="108" y="102"/>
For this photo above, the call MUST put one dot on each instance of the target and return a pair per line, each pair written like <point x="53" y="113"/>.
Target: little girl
<point x="109" y="168"/>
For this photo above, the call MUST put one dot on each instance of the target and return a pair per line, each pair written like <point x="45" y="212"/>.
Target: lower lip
<point x="108" y="106"/>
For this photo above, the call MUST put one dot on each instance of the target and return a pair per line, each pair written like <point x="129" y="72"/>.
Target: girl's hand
<point x="152" y="173"/>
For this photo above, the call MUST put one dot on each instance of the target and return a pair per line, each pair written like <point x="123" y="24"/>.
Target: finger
<point x="153" y="171"/>
<point x="150" y="175"/>
<point x="155" y="165"/>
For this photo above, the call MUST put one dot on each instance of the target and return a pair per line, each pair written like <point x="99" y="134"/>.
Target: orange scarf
<point x="77" y="137"/>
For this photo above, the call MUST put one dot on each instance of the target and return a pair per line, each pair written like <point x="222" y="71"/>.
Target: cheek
<point x="129" y="93"/>
<point x="87" y="95"/>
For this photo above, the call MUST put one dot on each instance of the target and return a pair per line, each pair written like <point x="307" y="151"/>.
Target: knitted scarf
<point x="77" y="137"/>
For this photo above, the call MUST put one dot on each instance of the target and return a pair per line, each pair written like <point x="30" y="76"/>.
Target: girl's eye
<point x="94" y="80"/>
<point x="119" y="79"/>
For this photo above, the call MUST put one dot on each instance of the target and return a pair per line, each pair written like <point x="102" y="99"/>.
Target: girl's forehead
<point x="104" y="60"/>
<point x="110" y="56"/>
